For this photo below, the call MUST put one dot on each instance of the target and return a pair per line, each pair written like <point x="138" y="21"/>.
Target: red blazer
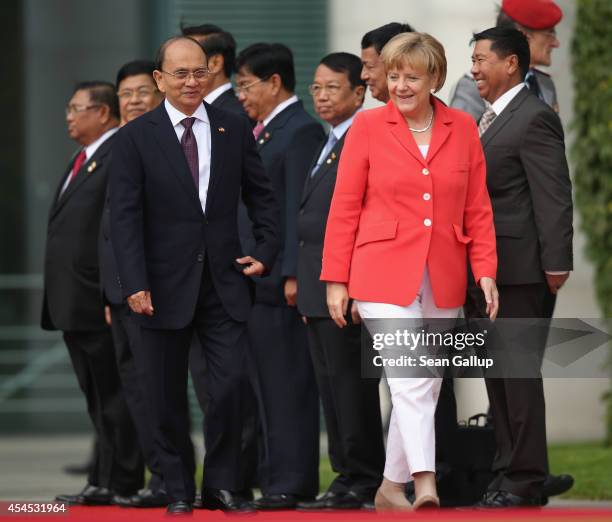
<point x="393" y="210"/>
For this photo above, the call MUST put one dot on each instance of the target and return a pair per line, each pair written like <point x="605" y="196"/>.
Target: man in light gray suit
<point x="536" y="19"/>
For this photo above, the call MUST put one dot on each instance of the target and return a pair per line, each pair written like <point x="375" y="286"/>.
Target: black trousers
<point x="250" y="427"/>
<point x="288" y="399"/>
<point x="351" y="407"/>
<point x="517" y="405"/>
<point x="118" y="463"/>
<point x="128" y="350"/>
<point x="223" y="341"/>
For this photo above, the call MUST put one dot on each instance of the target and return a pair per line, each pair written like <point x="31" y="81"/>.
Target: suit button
<point x="425" y="172"/>
<point x="427" y="196"/>
<point x="427" y="222"/>
<point x="301" y="243"/>
<point x="200" y="258"/>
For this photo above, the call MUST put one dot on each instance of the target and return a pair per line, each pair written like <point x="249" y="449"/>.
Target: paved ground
<point x="31" y="469"/>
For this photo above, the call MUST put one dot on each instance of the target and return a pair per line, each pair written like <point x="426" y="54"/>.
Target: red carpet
<point x="117" y="514"/>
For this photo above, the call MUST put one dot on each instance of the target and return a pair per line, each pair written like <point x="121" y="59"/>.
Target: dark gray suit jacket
<point x="530" y="189"/>
<point x="312" y="220"/>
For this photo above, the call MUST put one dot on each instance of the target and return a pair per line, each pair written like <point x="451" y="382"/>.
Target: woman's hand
<point x="337" y="302"/>
<point x="489" y="289"/>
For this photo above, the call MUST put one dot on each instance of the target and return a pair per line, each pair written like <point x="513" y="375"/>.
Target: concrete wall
<point x="574" y="407"/>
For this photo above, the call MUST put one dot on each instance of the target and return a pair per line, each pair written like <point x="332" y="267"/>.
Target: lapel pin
<point x="221" y="129"/>
<point x="329" y="161"/>
<point x="333" y="155"/>
<point x="267" y="135"/>
<point x="92" y="167"/>
<point x="261" y="141"/>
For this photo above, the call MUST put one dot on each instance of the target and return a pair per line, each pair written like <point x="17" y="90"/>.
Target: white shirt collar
<point x="214" y="94"/>
<point x="91" y="149"/>
<point x="177" y="116"/>
<point x="279" y="108"/>
<point x="340" y="129"/>
<point x="502" y="102"/>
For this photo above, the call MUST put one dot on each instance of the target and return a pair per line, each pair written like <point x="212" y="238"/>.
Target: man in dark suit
<point x="72" y="300"/>
<point x="176" y="178"/>
<point x="287" y="139"/>
<point x="351" y="405"/>
<point x="531" y="195"/>
<point x="138" y="94"/>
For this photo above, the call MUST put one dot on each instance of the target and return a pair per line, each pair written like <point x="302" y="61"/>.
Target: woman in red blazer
<point x="410" y="207"/>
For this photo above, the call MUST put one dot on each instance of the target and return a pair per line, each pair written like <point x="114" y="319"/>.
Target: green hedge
<point x="592" y="150"/>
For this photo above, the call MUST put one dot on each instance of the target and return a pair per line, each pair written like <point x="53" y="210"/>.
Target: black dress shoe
<point x="279" y="501"/>
<point x="81" y="498"/>
<point x="505" y="499"/>
<point x="318" y="504"/>
<point x="179" y="508"/>
<point x="145" y="498"/>
<point x="95" y="496"/>
<point x="556" y="485"/>
<point x="225" y="501"/>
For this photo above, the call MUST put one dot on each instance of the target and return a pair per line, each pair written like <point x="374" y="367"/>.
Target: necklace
<point x="427" y="127"/>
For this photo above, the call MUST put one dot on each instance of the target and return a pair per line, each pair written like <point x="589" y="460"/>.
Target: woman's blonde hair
<point x="420" y="51"/>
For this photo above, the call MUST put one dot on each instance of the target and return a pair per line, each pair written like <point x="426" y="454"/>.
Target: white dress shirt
<point x="90" y="150"/>
<point x="214" y="94"/>
<point x="279" y="108"/>
<point x="201" y="131"/>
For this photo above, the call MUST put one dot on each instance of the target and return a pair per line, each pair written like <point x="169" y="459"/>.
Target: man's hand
<point x="556" y="281"/>
<point x="107" y="315"/>
<point x="337" y="302"/>
<point x="489" y="288"/>
<point x="253" y="267"/>
<point x="291" y="291"/>
<point x="140" y="303"/>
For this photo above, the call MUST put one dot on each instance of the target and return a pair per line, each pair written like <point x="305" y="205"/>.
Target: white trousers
<point x="411" y="442"/>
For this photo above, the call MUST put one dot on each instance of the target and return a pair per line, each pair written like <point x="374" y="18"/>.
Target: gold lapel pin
<point x="92" y="167"/>
<point x="221" y="129"/>
<point x="333" y="155"/>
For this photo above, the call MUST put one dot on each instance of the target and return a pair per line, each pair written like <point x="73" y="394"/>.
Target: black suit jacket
<point x="72" y="299"/>
<point x="160" y="234"/>
<point x="287" y="145"/>
<point x="530" y="189"/>
<point x="229" y="102"/>
<point x="312" y="220"/>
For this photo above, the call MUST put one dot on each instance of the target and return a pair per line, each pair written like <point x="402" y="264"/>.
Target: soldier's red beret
<point x="533" y="14"/>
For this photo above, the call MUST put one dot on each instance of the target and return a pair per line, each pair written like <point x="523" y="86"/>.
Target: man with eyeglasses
<point x="287" y="138"/>
<point x="350" y="404"/>
<point x="136" y="90"/>
<point x="138" y="94"/>
<point x="72" y="299"/>
<point x="178" y="173"/>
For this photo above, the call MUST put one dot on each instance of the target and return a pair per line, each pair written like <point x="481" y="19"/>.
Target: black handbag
<point x="464" y="479"/>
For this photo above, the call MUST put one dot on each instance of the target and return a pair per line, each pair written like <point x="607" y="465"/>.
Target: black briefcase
<point x="468" y="474"/>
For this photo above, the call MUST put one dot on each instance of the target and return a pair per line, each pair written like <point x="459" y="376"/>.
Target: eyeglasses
<point x="183" y="74"/>
<point x="242" y="87"/>
<point x="74" y="109"/>
<point x="315" y="89"/>
<point x="140" y="93"/>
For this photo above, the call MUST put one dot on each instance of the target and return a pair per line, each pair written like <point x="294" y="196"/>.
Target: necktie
<point x="78" y="163"/>
<point x="331" y="141"/>
<point x="532" y="82"/>
<point x="486" y="119"/>
<point x="258" y="128"/>
<point x="190" y="148"/>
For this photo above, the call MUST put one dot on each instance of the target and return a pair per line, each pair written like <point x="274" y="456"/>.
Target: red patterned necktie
<point x="190" y="148"/>
<point x="258" y="128"/>
<point x="78" y="163"/>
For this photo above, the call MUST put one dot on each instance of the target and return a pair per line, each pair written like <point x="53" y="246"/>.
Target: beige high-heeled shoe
<point x="391" y="496"/>
<point x="426" y="502"/>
